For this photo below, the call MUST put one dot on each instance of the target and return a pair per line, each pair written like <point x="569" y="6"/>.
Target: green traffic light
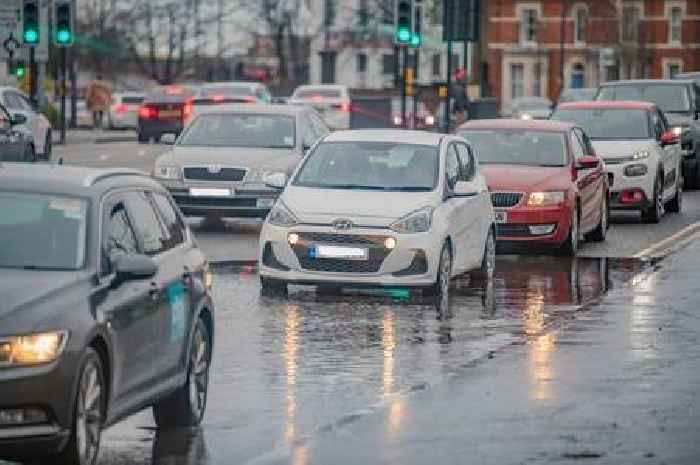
<point x="63" y="36"/>
<point x="19" y="72"/>
<point x="31" y="36"/>
<point x="403" y="35"/>
<point x="416" y="40"/>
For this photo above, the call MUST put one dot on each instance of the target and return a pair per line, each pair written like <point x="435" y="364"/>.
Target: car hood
<point x="607" y="149"/>
<point x="540" y="113"/>
<point x="525" y="178"/>
<point x="371" y="208"/>
<point x="21" y="289"/>
<point x="252" y="158"/>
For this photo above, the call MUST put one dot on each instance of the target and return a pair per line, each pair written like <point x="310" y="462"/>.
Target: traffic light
<point x="404" y="22"/>
<point x="17" y="68"/>
<point x="63" y="27"/>
<point x="30" y="22"/>
<point x="417" y="36"/>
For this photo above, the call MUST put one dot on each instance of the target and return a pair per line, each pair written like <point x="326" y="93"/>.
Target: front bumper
<point x="394" y="268"/>
<point x="521" y="219"/>
<point x="50" y="388"/>
<point x="242" y="203"/>
<point x="622" y="185"/>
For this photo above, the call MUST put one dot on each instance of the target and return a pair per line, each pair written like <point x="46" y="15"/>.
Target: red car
<point x="547" y="183"/>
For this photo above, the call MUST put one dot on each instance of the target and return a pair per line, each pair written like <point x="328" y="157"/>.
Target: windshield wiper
<point x="352" y="186"/>
<point x="409" y="189"/>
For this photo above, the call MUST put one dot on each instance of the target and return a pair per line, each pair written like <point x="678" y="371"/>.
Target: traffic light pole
<point x="404" y="62"/>
<point x="416" y="65"/>
<point x="32" y="75"/>
<point x="63" y="95"/>
<point x="446" y="122"/>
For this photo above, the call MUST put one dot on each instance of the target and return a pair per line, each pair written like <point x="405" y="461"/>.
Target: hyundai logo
<point x="342" y="225"/>
<point x="214" y="169"/>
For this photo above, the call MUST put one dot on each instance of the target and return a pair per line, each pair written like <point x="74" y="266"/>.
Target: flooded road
<point x="287" y="369"/>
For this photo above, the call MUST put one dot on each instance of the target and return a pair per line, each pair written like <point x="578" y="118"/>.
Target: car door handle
<point x="154" y="292"/>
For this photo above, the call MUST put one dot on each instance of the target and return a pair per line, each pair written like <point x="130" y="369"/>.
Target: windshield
<point x="670" y="98"/>
<point x="226" y="90"/>
<point x="174" y="93"/>
<point x="371" y="165"/>
<point x="577" y="95"/>
<point x="609" y="123"/>
<point x="317" y="93"/>
<point x="42" y="231"/>
<point x="518" y="147"/>
<point x="240" y="130"/>
<point x="532" y="104"/>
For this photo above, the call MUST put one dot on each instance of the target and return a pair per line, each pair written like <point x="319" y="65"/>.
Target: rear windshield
<point x="132" y="100"/>
<point x="240" y="130"/>
<point x="670" y="98"/>
<point x="317" y="94"/>
<point x="40" y="231"/>
<point x="226" y="91"/>
<point x="609" y="123"/>
<point x="518" y="147"/>
<point x="175" y="93"/>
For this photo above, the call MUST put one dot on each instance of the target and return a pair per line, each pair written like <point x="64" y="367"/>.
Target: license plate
<point x="209" y="192"/>
<point x="339" y="252"/>
<point x="169" y="114"/>
<point x="501" y="217"/>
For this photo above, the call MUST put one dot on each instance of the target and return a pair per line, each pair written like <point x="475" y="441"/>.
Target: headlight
<point x="430" y="120"/>
<point x="33" y="348"/>
<point x="280" y="215"/>
<point x="525" y="116"/>
<point x="167" y="172"/>
<point x="640" y="155"/>
<point x="678" y="130"/>
<point x="542" y="199"/>
<point x="415" y="222"/>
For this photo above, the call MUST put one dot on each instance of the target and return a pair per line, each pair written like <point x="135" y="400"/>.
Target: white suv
<point x="642" y="157"/>
<point x="380" y="208"/>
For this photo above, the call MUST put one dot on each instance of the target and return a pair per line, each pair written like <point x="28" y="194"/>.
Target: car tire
<point x="653" y="213"/>
<point x="30" y="154"/>
<point x="269" y="286"/>
<point x="599" y="233"/>
<point x="572" y="240"/>
<point x="48" y="147"/>
<point x="693" y="179"/>
<point x="186" y="406"/>
<point x="676" y="203"/>
<point x="143" y="138"/>
<point x="488" y="262"/>
<point x="440" y="290"/>
<point x="83" y="445"/>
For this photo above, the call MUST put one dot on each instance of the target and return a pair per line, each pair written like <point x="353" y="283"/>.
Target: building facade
<point x="602" y="40"/>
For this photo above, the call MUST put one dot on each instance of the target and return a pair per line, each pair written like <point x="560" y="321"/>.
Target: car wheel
<point x="83" y="445"/>
<point x="186" y="406"/>
<point x="143" y="138"/>
<point x="676" y="203"/>
<point x="441" y="289"/>
<point x="654" y="213"/>
<point x="488" y="263"/>
<point x="270" y="286"/>
<point x="599" y="233"/>
<point x="694" y="178"/>
<point x="572" y="240"/>
<point x="48" y="147"/>
<point x="30" y="154"/>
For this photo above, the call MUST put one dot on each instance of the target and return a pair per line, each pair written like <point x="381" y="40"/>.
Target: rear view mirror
<point x="168" y="139"/>
<point x="587" y="163"/>
<point x="18" y="118"/>
<point x="135" y="267"/>
<point x="275" y="180"/>
<point x="669" y="138"/>
<point x="465" y="189"/>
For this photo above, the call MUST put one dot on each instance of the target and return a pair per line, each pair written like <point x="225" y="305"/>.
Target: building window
<point x="581" y="20"/>
<point x="537" y="79"/>
<point x="630" y="24"/>
<point x="361" y="63"/>
<point x="675" y="25"/>
<point x="387" y="11"/>
<point x="363" y="14"/>
<point x="528" y="26"/>
<point x="672" y="69"/>
<point x="578" y="76"/>
<point x="436" y="64"/>
<point x="329" y="13"/>
<point x="517" y="84"/>
<point x="387" y="63"/>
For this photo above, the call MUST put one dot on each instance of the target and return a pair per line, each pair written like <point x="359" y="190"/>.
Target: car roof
<point x="647" y="82"/>
<point x="56" y="179"/>
<point x="386" y="135"/>
<point x="321" y="86"/>
<point x="249" y="84"/>
<point x="607" y="104"/>
<point x="508" y="123"/>
<point x="258" y="109"/>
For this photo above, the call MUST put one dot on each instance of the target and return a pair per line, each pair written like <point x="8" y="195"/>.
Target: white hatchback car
<point x="331" y="101"/>
<point x="386" y="208"/>
<point x="642" y="156"/>
<point x="35" y="126"/>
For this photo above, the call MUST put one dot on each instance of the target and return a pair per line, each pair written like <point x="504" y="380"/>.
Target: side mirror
<point x="465" y="189"/>
<point x="168" y="139"/>
<point x="275" y="180"/>
<point x="135" y="267"/>
<point x="669" y="138"/>
<point x="587" y="163"/>
<point x="17" y="119"/>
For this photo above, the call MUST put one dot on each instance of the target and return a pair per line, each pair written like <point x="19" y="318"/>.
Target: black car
<point x="165" y="110"/>
<point x="105" y="310"/>
<point x="680" y="101"/>
<point x="14" y="145"/>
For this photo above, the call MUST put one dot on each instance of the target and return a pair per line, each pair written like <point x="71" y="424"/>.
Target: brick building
<point x="603" y="40"/>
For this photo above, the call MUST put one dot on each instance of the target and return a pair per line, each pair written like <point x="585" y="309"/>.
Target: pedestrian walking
<point x="98" y="99"/>
<point x="460" y="108"/>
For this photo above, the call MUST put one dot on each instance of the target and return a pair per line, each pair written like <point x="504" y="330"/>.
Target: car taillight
<point x="217" y="98"/>
<point x="187" y="111"/>
<point x="121" y="108"/>
<point x="147" y="112"/>
<point x="345" y="106"/>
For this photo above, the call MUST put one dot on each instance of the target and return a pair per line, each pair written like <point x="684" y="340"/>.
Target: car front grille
<point x="513" y="230"/>
<point x="222" y="175"/>
<point x="374" y="244"/>
<point x="505" y="199"/>
<point x="231" y="202"/>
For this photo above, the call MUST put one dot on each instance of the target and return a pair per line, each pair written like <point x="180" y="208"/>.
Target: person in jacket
<point x="98" y="100"/>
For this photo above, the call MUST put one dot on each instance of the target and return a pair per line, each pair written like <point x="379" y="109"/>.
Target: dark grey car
<point x="680" y="102"/>
<point x="106" y="309"/>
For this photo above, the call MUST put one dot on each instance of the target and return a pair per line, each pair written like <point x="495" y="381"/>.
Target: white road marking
<point x="673" y="242"/>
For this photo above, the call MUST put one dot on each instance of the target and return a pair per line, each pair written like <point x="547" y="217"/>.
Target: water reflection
<point x="183" y="446"/>
<point x="396" y="401"/>
<point x="291" y="346"/>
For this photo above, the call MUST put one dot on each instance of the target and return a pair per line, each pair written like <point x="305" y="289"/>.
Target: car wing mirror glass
<point x="168" y="139"/>
<point x="275" y="180"/>
<point x="18" y="118"/>
<point x="465" y="189"/>
<point x="135" y="266"/>
<point x="587" y="163"/>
